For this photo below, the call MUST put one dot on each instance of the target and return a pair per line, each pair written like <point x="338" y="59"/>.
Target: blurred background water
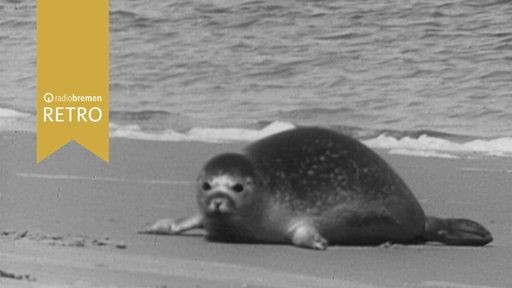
<point x="442" y="67"/>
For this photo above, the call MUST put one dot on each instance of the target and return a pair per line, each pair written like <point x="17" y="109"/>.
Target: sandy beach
<point x="72" y="221"/>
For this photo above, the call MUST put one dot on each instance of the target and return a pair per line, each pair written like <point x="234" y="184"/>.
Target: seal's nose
<point x="219" y="204"/>
<point x="216" y="203"/>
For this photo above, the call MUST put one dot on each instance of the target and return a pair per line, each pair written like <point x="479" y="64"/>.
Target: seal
<point x="313" y="187"/>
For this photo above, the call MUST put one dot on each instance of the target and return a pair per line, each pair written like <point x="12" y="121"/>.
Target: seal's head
<point x="226" y="185"/>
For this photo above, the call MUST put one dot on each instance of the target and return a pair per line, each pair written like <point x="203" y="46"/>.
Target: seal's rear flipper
<point x="174" y="226"/>
<point x="455" y="231"/>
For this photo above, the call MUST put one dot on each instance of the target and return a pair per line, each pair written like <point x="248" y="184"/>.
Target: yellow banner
<point x="72" y="75"/>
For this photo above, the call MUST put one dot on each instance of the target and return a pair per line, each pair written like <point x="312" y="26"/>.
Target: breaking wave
<point x="420" y="143"/>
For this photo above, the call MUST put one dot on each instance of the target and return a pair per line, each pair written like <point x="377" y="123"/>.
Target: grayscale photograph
<point x="268" y="144"/>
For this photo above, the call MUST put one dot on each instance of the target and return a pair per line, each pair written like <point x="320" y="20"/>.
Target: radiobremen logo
<point x="71" y="113"/>
<point x="72" y="76"/>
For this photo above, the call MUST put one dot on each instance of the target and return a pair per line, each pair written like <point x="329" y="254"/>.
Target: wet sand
<point x="72" y="221"/>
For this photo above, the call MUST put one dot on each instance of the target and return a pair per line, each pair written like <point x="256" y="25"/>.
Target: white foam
<point x="9" y="113"/>
<point x="11" y="120"/>
<point x="495" y="147"/>
<point x="423" y="146"/>
<point x="237" y="134"/>
<point x="201" y="134"/>
<point x="436" y="147"/>
<point x="422" y="153"/>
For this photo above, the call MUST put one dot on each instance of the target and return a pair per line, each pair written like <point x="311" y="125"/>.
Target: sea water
<point x="432" y="77"/>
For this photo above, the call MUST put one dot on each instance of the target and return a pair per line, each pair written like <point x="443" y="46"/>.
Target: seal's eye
<point x="206" y="186"/>
<point x="238" y="187"/>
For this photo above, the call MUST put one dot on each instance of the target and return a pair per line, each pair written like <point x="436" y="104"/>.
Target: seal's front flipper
<point x="452" y="231"/>
<point x="306" y="236"/>
<point x="174" y="226"/>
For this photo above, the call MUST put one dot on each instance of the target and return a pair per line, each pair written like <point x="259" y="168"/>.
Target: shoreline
<point x="74" y="194"/>
<point x="416" y="143"/>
